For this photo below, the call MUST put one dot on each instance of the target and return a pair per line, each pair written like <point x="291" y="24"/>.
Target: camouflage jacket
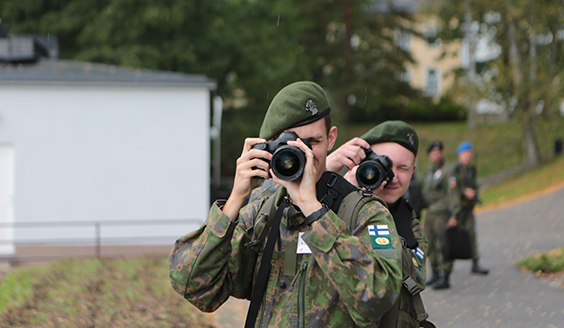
<point x="465" y="177"/>
<point x="438" y="191"/>
<point x="345" y="280"/>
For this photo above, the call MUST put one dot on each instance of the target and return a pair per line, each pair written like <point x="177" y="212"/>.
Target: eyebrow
<point x="404" y="166"/>
<point x="316" y="138"/>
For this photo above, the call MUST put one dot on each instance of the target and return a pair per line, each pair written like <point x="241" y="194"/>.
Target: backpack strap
<point x="332" y="188"/>
<point x="351" y="205"/>
<point x="264" y="269"/>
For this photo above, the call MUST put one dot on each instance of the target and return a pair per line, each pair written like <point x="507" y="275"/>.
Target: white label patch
<point x="303" y="248"/>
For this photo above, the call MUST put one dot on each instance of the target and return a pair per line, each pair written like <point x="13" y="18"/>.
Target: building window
<point x="404" y="76"/>
<point x="432" y="82"/>
<point x="431" y="36"/>
<point x="403" y="40"/>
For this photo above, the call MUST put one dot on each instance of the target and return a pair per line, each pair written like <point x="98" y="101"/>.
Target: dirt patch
<point x="555" y="279"/>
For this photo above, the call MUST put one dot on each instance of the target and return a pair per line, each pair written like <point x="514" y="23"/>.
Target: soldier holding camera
<point x="392" y="146"/>
<point x="320" y="273"/>
<point x="383" y="161"/>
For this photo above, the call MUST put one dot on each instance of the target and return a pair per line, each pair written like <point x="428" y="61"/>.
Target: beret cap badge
<point x="310" y="106"/>
<point x="410" y="137"/>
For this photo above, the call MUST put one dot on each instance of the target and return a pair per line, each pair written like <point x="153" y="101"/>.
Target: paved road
<point x="506" y="297"/>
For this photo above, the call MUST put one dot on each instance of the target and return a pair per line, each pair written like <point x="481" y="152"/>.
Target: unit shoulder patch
<point x="452" y="182"/>
<point x="380" y="236"/>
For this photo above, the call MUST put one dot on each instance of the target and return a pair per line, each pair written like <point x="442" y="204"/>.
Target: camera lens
<point x="288" y="163"/>
<point x="369" y="175"/>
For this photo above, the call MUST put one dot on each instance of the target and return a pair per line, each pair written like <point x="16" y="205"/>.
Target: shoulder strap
<point x="264" y="270"/>
<point x="351" y="205"/>
<point x="403" y="218"/>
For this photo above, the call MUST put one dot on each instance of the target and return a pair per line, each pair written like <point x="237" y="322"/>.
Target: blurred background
<point x="120" y="112"/>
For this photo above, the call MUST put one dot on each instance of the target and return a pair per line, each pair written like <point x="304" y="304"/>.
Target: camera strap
<point x="265" y="265"/>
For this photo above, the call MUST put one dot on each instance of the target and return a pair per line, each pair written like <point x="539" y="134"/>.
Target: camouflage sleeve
<point x="453" y="192"/>
<point x="200" y="264"/>
<point x="364" y="266"/>
<point x="421" y="253"/>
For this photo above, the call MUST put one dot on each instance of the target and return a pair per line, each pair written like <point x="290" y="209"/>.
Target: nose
<point x="396" y="178"/>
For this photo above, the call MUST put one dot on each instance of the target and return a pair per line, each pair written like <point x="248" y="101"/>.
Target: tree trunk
<point x="525" y="101"/>
<point x="471" y="74"/>
<point x="530" y="138"/>
<point x="529" y="134"/>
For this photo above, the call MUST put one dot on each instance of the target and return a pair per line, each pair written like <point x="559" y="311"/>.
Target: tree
<point x="528" y="71"/>
<point x="350" y="48"/>
<point x="252" y="48"/>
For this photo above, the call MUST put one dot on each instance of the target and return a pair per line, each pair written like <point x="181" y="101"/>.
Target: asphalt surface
<point x="506" y="297"/>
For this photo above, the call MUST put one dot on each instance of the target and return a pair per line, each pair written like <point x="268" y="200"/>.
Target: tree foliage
<point x="252" y="48"/>
<point x="526" y="76"/>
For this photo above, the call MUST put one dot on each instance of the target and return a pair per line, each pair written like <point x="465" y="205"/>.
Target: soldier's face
<point x="321" y="141"/>
<point x="465" y="157"/>
<point x="436" y="155"/>
<point x="403" y="167"/>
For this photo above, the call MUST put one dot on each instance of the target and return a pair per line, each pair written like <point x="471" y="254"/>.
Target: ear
<point x="332" y="136"/>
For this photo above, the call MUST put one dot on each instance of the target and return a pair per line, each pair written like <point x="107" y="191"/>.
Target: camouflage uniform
<point x="348" y="279"/>
<point x="441" y="202"/>
<point x="466" y="178"/>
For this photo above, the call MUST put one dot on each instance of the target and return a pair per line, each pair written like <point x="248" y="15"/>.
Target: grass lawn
<point x="131" y="292"/>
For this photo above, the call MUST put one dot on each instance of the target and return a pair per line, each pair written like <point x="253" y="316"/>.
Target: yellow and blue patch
<point x="380" y="236"/>
<point x="418" y="259"/>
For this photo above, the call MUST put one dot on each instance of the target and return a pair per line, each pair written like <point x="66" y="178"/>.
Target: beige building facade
<point x="435" y="60"/>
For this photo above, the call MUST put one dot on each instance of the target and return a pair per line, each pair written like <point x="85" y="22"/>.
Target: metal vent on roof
<point x="27" y="48"/>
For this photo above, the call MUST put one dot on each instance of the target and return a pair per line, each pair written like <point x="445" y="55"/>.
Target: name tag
<point x="303" y="248"/>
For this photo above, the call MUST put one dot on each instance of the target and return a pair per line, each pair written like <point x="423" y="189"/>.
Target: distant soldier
<point x="464" y="182"/>
<point x="441" y="202"/>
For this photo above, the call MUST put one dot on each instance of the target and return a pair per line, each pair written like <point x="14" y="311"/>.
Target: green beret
<point x="297" y="104"/>
<point x="394" y="131"/>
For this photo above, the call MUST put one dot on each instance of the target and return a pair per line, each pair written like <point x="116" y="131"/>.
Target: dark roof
<point x="56" y="71"/>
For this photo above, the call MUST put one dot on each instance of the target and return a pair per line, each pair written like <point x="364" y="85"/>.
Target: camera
<point x="287" y="162"/>
<point x="374" y="170"/>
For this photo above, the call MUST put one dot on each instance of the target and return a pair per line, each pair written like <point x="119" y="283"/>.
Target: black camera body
<point x="374" y="170"/>
<point x="287" y="162"/>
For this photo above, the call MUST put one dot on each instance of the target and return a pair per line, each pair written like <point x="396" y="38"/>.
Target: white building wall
<point x="85" y="153"/>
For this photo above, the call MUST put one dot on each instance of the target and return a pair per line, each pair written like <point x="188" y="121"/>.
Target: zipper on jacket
<point x="301" y="294"/>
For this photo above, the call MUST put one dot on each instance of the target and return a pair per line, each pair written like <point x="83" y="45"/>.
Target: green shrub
<point x="551" y="261"/>
<point x="423" y="110"/>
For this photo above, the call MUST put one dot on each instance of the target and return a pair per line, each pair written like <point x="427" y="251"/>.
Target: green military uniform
<point x="322" y="274"/>
<point x="344" y="282"/>
<point x="441" y="202"/>
<point x="405" y="217"/>
<point x="465" y="177"/>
